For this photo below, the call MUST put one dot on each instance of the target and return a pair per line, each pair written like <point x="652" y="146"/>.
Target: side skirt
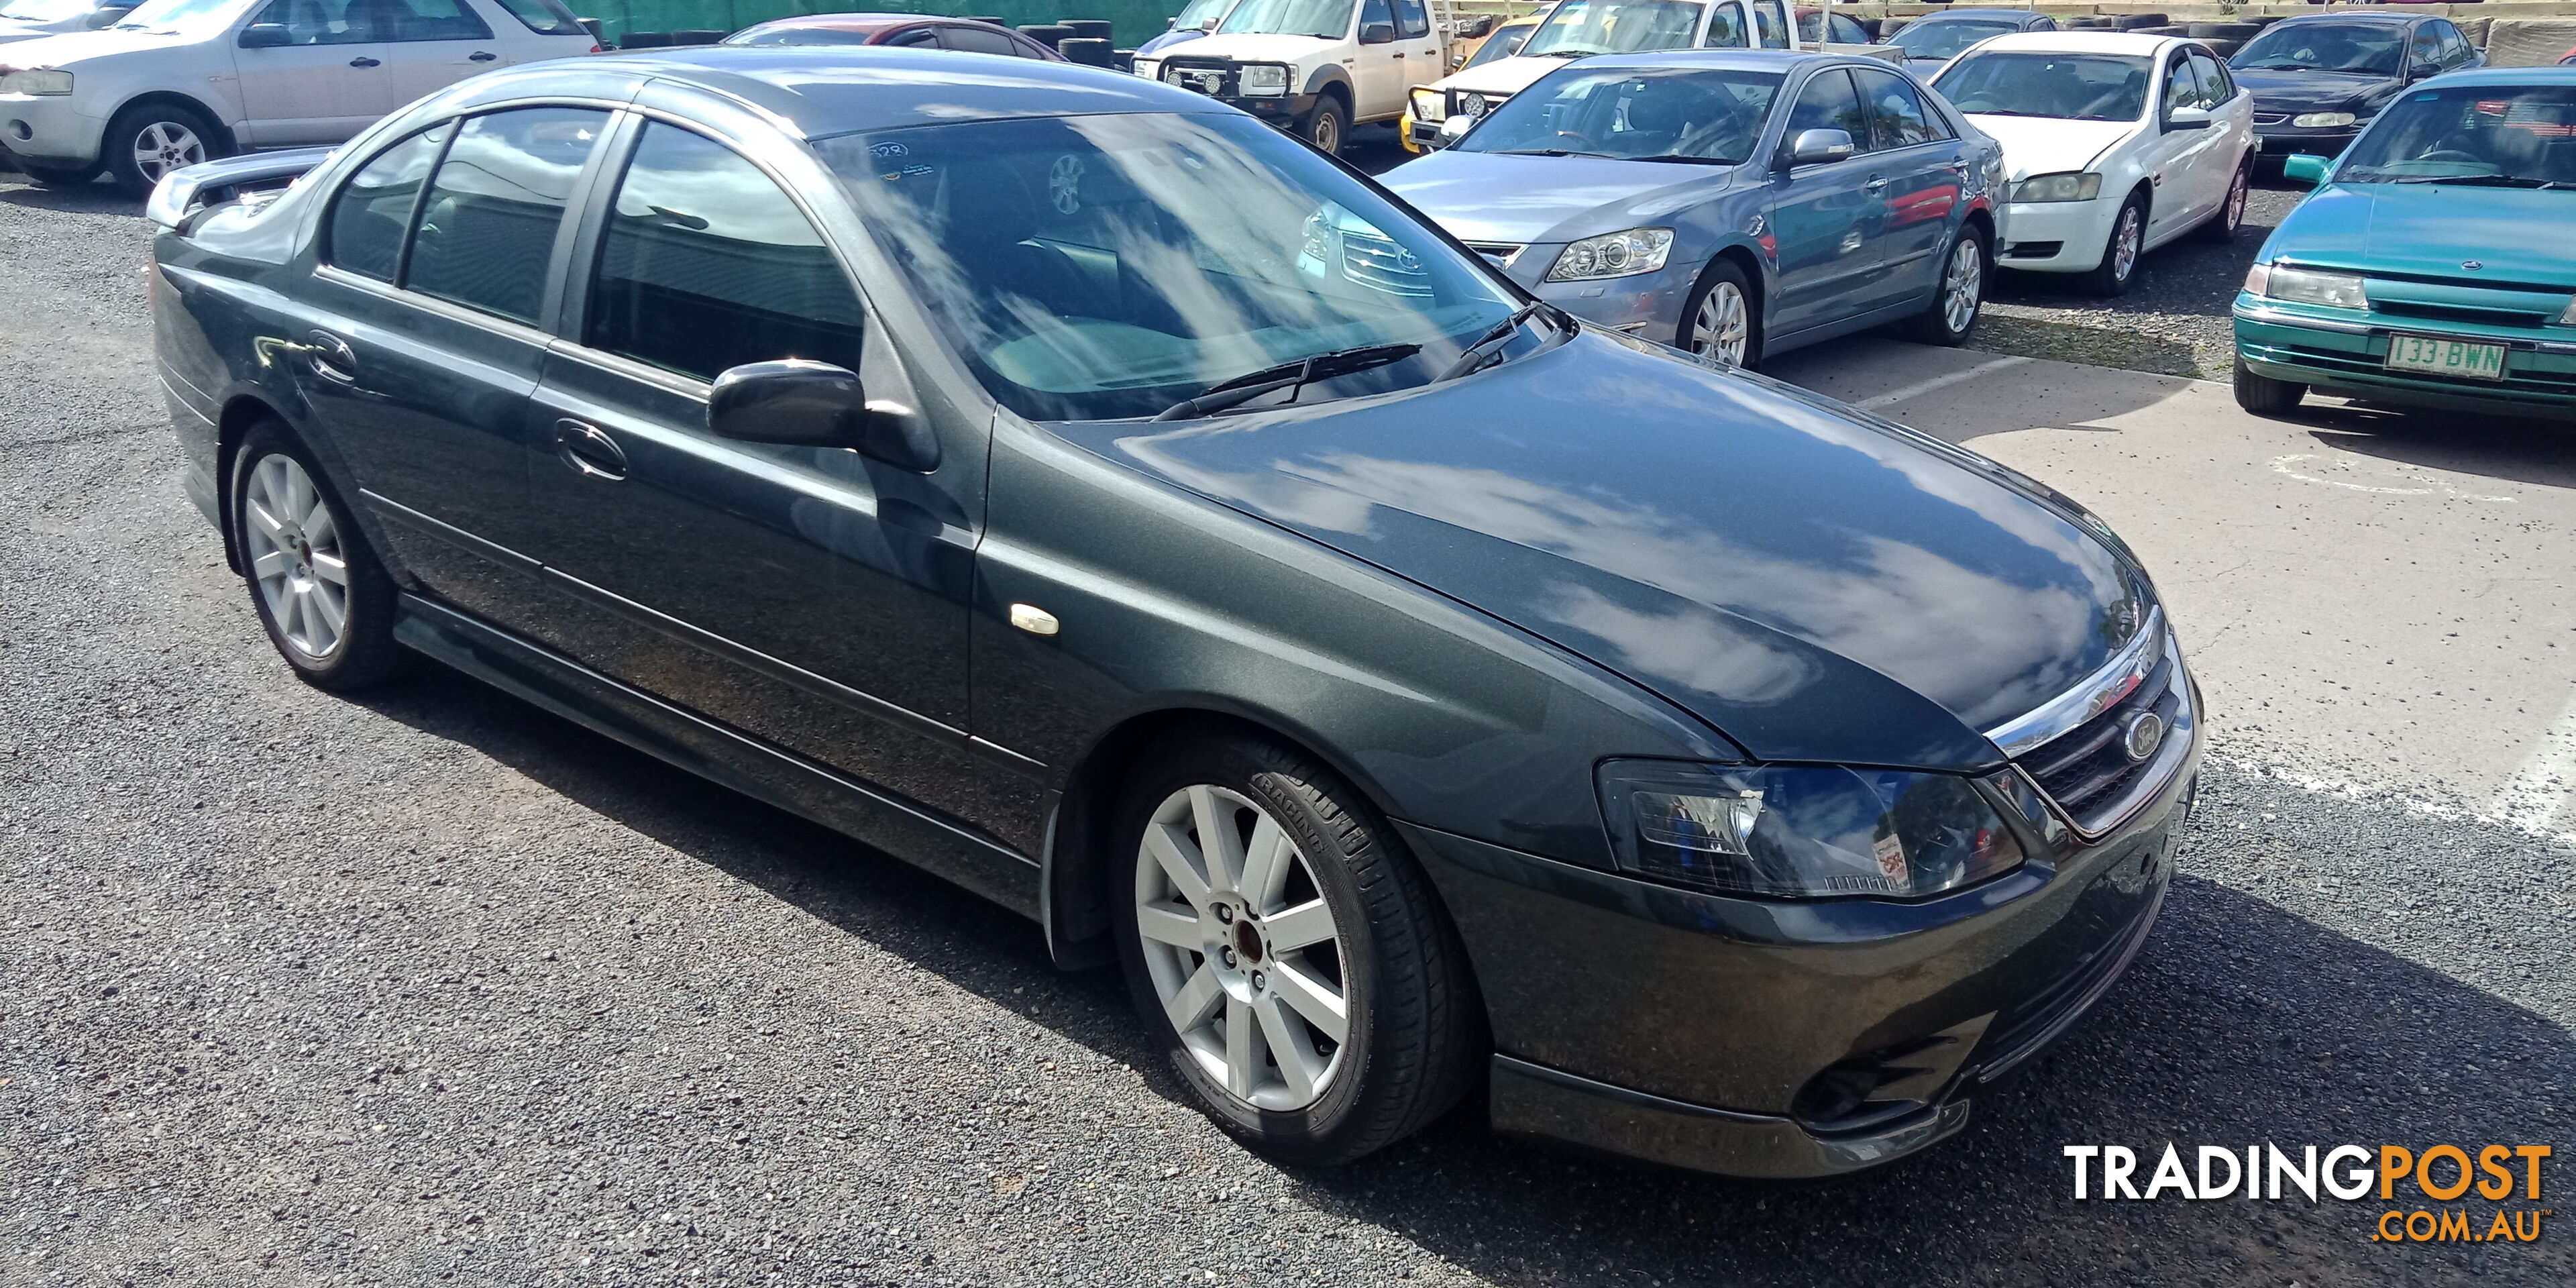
<point x="719" y="754"/>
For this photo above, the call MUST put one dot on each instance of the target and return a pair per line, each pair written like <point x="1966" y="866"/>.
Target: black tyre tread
<point x="1428" y="1019"/>
<point x="2264" y="396"/>
<point x="370" y="655"/>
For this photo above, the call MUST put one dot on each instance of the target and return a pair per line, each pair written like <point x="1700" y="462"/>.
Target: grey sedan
<point x="1731" y="203"/>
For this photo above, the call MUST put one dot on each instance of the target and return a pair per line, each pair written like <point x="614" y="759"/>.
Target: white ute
<point x="1314" y="67"/>
<point x="1580" y="28"/>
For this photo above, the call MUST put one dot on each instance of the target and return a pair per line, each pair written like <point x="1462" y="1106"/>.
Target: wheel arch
<point x="1747" y="261"/>
<point x="231" y="426"/>
<point x="1332" y="79"/>
<point x="172" y="98"/>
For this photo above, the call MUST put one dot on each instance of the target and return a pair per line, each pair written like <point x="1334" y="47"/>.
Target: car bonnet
<point x="1489" y="196"/>
<point x="2424" y="229"/>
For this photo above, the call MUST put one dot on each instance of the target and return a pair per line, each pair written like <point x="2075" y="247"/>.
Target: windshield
<point x="1097" y="267"/>
<point x="45" y="10"/>
<point x="1666" y="115"/>
<point x="2075" y="87"/>
<point x="1944" y="38"/>
<point x="1580" y="27"/>
<point x="1501" y="45"/>
<point x="790" y="33"/>
<point x="2494" y="135"/>
<point x="1322" y="19"/>
<point x="167" y="15"/>
<point x="1196" y="14"/>
<point x="2370" y="47"/>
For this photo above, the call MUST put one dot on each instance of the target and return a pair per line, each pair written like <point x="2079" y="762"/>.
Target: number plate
<point x="2442" y="357"/>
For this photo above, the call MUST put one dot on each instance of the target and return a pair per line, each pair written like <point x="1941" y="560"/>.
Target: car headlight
<point x="2069" y="186"/>
<point x="2568" y="318"/>
<point x="1619" y="254"/>
<point x="1430" y="106"/>
<point x="1150" y="68"/>
<point x="2307" y="286"/>
<point x="1264" y="80"/>
<point x="1803" y="832"/>
<point x="2322" y="120"/>
<point x="36" y="82"/>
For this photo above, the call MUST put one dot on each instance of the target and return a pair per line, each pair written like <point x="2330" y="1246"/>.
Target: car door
<point x="1919" y="168"/>
<point x="2166" y="157"/>
<point x="1419" y="44"/>
<point x="325" y="83"/>
<point x="432" y="44"/>
<point x="2231" y="128"/>
<point x="1381" y="77"/>
<point x="436" y="267"/>
<point x="814" y="597"/>
<point x="1825" y="218"/>
<point x="1728" y="27"/>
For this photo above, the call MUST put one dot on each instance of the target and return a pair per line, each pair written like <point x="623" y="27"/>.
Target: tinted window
<point x="1898" y="118"/>
<point x="2492" y="135"/>
<point x="977" y="40"/>
<point x="2215" y="87"/>
<point x="1766" y="19"/>
<point x="487" y="228"/>
<point x="1725" y="29"/>
<point x="402" y="20"/>
<point x="917" y="38"/>
<point x="318" y="22"/>
<point x="373" y="210"/>
<point x="706" y="265"/>
<point x="2455" y="50"/>
<point x="1828" y="103"/>
<point x="2425" y="49"/>
<point x="1373" y="12"/>
<point x="1410" y="20"/>
<point x="545" y="17"/>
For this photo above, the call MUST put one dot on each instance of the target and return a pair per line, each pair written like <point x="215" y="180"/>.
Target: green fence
<point x="1136" y="20"/>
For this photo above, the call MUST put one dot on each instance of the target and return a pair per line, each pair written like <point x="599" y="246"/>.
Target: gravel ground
<point x="432" y="987"/>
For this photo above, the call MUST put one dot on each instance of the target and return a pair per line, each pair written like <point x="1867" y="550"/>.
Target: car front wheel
<point x="146" y="142"/>
<point x="1287" y="952"/>
<point x="1718" y="322"/>
<point x="2120" y="253"/>
<point x="327" y="603"/>
<point x="1325" y="126"/>
<point x="2264" y="396"/>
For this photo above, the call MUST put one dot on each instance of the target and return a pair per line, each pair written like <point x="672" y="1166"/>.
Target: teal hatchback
<point x="2435" y="264"/>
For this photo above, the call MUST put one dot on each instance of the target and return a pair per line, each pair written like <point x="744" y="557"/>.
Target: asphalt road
<point x="432" y="987"/>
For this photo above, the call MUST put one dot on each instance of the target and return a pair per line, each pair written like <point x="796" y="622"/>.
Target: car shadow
<point x="2517" y="449"/>
<point x="2242" y="1023"/>
<point x="97" y="197"/>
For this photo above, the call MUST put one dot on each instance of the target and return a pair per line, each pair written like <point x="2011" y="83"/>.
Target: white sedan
<point x="2116" y="144"/>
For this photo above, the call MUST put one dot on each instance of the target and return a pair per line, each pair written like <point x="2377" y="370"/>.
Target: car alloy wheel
<point x="2236" y="195"/>
<point x="1723" y="326"/>
<point x="164" y="146"/>
<point x="2125" y="240"/>
<point x="1242" y="949"/>
<point x="293" y="544"/>
<point x="1963" y="285"/>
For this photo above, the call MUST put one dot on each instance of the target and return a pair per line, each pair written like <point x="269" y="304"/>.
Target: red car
<point x="919" y="31"/>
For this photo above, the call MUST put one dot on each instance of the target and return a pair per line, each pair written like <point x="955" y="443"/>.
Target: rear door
<point x="327" y="82"/>
<point x="1419" y="44"/>
<point x="1381" y="76"/>
<point x="1919" y="168"/>
<point x="1826" y="219"/>
<point x="432" y="44"/>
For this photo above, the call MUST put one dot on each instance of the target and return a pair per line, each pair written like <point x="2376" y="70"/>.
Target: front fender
<point x="1330" y="76"/>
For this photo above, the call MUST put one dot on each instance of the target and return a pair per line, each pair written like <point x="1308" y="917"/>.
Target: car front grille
<point x="1207" y="76"/>
<point x="1500" y="254"/>
<point x="2102" y="769"/>
<point x="2460" y="313"/>
<point x="1380" y="264"/>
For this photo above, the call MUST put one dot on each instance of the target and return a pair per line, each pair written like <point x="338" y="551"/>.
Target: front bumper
<point x="2283" y="140"/>
<point x="1658" y="1023"/>
<point x="2345" y="351"/>
<point x="1648" y="305"/>
<point x="2057" y="236"/>
<point x="47" y="130"/>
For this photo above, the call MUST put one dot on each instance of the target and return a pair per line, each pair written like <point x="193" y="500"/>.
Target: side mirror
<point x="1378" y="33"/>
<point x="2304" y="168"/>
<point x="2418" y="71"/>
<point x="814" y="404"/>
<point x="2187" y="118"/>
<point x="1813" y="146"/>
<point x="1454" y="128"/>
<point x="265" y="35"/>
<point x="102" y="19"/>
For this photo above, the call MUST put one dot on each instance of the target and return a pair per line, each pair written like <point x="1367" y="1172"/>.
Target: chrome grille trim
<point x="2099" y="692"/>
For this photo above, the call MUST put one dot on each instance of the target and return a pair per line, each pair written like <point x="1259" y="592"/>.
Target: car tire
<point x="1327" y="126"/>
<point x="2264" y="396"/>
<point x="149" y="140"/>
<point x="2121" y="251"/>
<point x="1721" y="313"/>
<point x="1236" y="996"/>
<point x="59" y="176"/>
<point x="2220" y="228"/>
<point x="1961" y="294"/>
<point x="325" y="599"/>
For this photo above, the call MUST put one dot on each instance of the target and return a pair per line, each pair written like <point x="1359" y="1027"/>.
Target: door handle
<point x="589" y="451"/>
<point x="332" y="358"/>
<point x="481" y="56"/>
<point x="364" y="62"/>
<point x="1876" y="187"/>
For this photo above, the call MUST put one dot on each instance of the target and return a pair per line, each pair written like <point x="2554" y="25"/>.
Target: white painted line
<point x="2547" y="778"/>
<point x="1895" y="396"/>
<point x="2434" y="482"/>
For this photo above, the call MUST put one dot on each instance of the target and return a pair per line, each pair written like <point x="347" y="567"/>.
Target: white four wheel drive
<point x="1314" y="67"/>
<point x="176" y="82"/>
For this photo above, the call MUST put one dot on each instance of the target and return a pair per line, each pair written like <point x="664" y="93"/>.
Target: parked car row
<point x="1080" y="489"/>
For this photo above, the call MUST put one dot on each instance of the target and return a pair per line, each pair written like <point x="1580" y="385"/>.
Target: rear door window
<point x="407" y="20"/>
<point x="545" y="17"/>
<point x="487" y="228"/>
<point x="706" y="264"/>
<point x="1410" y="21"/>
<point x="977" y="40"/>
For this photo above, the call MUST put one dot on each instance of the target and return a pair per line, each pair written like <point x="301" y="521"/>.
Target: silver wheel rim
<point x="2124" y="244"/>
<point x="1962" y="286"/>
<point x="1328" y="132"/>
<point x="1723" y="325"/>
<point x="164" y="146"/>
<point x="1243" y="952"/>
<point x="295" y="556"/>
<point x="2236" y="202"/>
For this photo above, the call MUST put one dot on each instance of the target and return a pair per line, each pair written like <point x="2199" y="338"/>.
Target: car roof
<point x="1766" y="60"/>
<point x="2550" y="75"/>
<point x="851" y="21"/>
<point x="1971" y="13"/>
<point x="2084" y="42"/>
<point x="2347" y="15"/>
<point x="818" y="91"/>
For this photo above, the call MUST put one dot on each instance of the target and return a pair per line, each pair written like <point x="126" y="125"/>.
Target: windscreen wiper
<point x="1474" y="356"/>
<point x="1684" y="159"/>
<point x="1287" y="375"/>
<point x="2487" y="180"/>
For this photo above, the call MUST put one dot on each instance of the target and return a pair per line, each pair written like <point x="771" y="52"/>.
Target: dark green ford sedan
<point x="1072" y="486"/>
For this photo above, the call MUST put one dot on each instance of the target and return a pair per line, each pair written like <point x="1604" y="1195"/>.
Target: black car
<point x="1931" y="41"/>
<point x="1067" y="484"/>
<point x="2319" y="78"/>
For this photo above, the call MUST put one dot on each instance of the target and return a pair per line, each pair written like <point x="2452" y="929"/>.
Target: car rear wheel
<point x="2221" y="227"/>
<point x="326" y="602"/>
<point x="1325" y="126"/>
<point x="1961" y="294"/>
<point x="1288" y="954"/>
<point x="1719" y="320"/>
<point x="2120" y="254"/>
<point x="2264" y="396"/>
<point x="146" y="142"/>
